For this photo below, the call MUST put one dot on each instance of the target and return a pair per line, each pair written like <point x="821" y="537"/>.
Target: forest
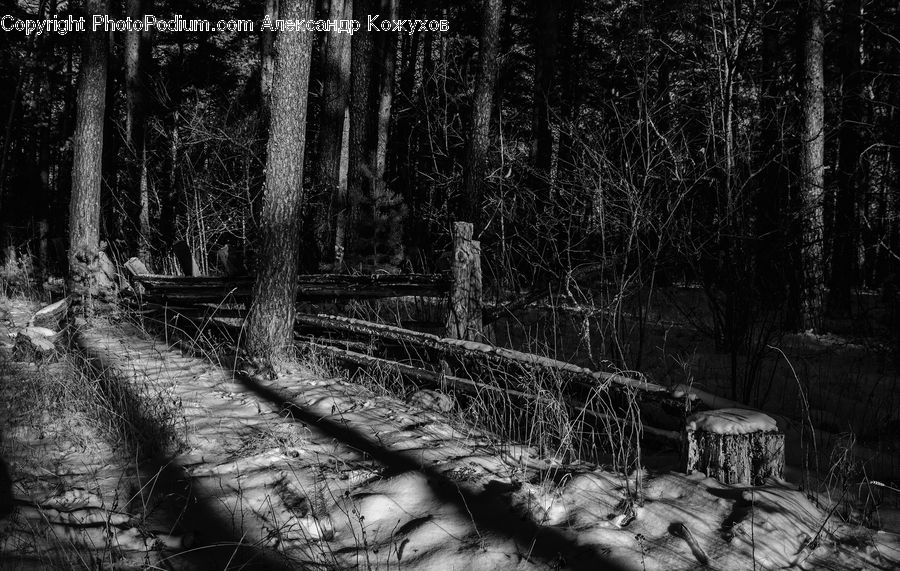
<point x="608" y="216"/>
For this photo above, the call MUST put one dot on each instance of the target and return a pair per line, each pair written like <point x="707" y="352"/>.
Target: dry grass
<point x="536" y="414"/>
<point x="58" y="405"/>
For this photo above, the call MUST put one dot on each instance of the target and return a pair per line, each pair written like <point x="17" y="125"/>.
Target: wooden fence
<point x="458" y="359"/>
<point x="196" y="297"/>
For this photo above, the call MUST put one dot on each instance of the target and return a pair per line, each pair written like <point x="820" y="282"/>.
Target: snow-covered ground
<point x="312" y="471"/>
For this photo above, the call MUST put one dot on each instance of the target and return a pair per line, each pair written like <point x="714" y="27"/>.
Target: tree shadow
<point x="175" y="503"/>
<point x="488" y="510"/>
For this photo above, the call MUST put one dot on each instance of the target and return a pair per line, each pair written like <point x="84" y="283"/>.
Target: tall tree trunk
<point x="172" y="201"/>
<point x="44" y="97"/>
<point x="812" y="168"/>
<point x="267" y="52"/>
<point x="476" y="165"/>
<point x="84" y="208"/>
<point x="135" y="119"/>
<point x="389" y="207"/>
<point x="116" y="214"/>
<point x="357" y="228"/>
<point x="403" y="144"/>
<point x="845" y="240"/>
<point x="336" y="70"/>
<point x="271" y="318"/>
<point x="893" y="223"/>
<point x="411" y="60"/>
<point x="387" y="57"/>
<point x="66" y="127"/>
<point x="172" y="196"/>
<point x="44" y="195"/>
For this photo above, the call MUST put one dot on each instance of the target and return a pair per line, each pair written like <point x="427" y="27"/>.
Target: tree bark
<point x="336" y="70"/>
<point x="271" y="318"/>
<point x="44" y="95"/>
<point x="84" y="209"/>
<point x="357" y="227"/>
<point x="171" y="197"/>
<point x="476" y="165"/>
<point x="741" y="457"/>
<point x="845" y="237"/>
<point x="404" y="143"/>
<point x="116" y="214"/>
<point x="267" y="53"/>
<point x="812" y="168"/>
<point x="389" y="209"/>
<point x="411" y="52"/>
<point x="135" y="118"/>
<point x="464" y="319"/>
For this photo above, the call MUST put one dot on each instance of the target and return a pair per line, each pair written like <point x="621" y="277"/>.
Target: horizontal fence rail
<point x="314" y="287"/>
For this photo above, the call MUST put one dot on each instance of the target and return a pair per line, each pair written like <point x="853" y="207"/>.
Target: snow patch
<point x="732" y="421"/>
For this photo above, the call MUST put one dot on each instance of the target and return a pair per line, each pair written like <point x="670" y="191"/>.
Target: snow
<point x="323" y="472"/>
<point x="432" y="400"/>
<point x="38" y="331"/>
<point x="732" y="421"/>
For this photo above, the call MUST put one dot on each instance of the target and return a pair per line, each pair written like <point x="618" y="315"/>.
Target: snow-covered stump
<point x="734" y="446"/>
<point x="51" y="315"/>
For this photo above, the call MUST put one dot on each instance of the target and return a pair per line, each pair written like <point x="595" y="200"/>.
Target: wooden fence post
<point x="464" y="317"/>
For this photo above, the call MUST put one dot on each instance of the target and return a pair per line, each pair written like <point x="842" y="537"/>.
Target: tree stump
<point x="35" y="344"/>
<point x="50" y="316"/>
<point x="106" y="277"/>
<point x="136" y="267"/>
<point x="734" y="446"/>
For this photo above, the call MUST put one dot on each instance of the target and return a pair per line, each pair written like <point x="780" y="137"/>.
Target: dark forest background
<point x="750" y="148"/>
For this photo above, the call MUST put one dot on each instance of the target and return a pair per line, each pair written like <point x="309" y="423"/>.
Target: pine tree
<point x="271" y="319"/>
<point x="84" y="206"/>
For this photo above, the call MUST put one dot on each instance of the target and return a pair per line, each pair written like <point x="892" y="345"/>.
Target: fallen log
<point x="162" y="281"/>
<point x="494" y="313"/>
<point x="440" y="281"/>
<point x="473" y="349"/>
<point x="176" y="296"/>
<point x="469" y="386"/>
<point x="658" y="405"/>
